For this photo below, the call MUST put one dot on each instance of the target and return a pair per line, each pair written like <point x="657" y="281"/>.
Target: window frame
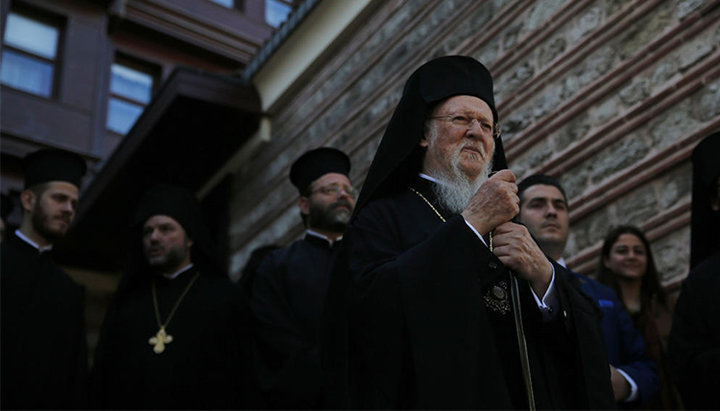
<point x="49" y="19"/>
<point x="136" y="64"/>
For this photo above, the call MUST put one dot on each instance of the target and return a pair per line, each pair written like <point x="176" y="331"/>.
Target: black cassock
<point x="287" y="301"/>
<point x="206" y="366"/>
<point x="44" y="358"/>
<point x="428" y="325"/>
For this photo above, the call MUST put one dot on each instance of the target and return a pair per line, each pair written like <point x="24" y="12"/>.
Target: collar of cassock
<point x="32" y="243"/>
<point x="178" y="272"/>
<point x="315" y="234"/>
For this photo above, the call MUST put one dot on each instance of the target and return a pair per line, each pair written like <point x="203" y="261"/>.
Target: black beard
<point x="331" y="218"/>
<point x="40" y="222"/>
<point x="170" y="263"/>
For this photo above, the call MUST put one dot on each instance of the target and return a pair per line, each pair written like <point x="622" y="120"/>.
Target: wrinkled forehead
<point x="463" y="104"/>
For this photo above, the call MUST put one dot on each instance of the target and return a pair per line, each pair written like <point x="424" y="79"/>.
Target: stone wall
<point x="610" y="96"/>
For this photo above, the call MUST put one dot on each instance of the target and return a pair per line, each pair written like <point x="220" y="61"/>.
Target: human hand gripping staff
<point x="511" y="243"/>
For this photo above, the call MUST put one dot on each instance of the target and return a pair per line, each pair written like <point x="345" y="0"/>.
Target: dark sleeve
<point x="694" y="345"/>
<point x="288" y="360"/>
<point x="583" y="319"/>
<point x="634" y="359"/>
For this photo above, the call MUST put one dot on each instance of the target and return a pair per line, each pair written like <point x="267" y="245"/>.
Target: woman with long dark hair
<point x="627" y="265"/>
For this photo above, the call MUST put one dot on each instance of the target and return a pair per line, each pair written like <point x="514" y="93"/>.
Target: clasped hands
<point x="491" y="209"/>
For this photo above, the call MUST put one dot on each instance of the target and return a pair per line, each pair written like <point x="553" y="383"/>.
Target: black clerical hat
<point x="316" y="163"/>
<point x="180" y="204"/>
<point x="398" y="158"/>
<point x="173" y="201"/>
<point x="51" y="164"/>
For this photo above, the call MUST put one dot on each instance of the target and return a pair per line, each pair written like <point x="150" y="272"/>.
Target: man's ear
<point x="28" y="199"/>
<point x="424" y="141"/>
<point x="304" y="205"/>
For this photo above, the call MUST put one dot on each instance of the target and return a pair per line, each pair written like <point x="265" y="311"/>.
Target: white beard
<point x="455" y="190"/>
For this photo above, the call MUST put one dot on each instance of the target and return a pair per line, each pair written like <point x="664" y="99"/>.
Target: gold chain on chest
<point x="428" y="203"/>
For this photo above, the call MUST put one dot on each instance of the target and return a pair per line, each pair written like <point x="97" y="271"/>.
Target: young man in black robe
<point x="44" y="359"/>
<point x="289" y="290"/>
<point x="432" y="321"/>
<point x="694" y="342"/>
<point x="177" y="333"/>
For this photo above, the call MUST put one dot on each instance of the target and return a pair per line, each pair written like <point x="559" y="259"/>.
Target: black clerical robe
<point x="44" y="358"/>
<point x="429" y="327"/>
<point x="206" y="366"/>
<point x="694" y="343"/>
<point x="287" y="301"/>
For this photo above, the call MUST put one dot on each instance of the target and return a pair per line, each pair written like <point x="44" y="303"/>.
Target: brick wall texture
<point x="610" y="96"/>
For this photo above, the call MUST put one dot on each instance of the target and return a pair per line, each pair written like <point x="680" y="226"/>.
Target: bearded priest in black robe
<point x="289" y="291"/>
<point x="452" y="305"/>
<point x="44" y="357"/>
<point x="178" y="332"/>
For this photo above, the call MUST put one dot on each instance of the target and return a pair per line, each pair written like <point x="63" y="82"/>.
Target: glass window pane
<point x="26" y="74"/>
<point x="227" y="3"/>
<point x="130" y="83"/>
<point x="122" y="115"/>
<point x="31" y="36"/>
<point x="276" y="12"/>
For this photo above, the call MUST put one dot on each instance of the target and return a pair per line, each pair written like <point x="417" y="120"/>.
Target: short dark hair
<point x="39" y="189"/>
<point x="536" y="179"/>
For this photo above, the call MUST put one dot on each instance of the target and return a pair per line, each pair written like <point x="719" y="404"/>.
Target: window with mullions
<point x="130" y="91"/>
<point x="29" y="55"/>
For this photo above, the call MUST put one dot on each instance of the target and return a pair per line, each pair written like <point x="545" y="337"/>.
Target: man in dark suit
<point x="544" y="211"/>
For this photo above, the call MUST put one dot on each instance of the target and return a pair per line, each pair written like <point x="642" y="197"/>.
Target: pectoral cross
<point x="159" y="340"/>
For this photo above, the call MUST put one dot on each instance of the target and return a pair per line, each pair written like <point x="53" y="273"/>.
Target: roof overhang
<point x="193" y="125"/>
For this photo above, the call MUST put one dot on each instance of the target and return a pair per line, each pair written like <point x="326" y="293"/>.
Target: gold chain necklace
<point x="428" y="203"/>
<point x="162" y="337"/>
<point x="490" y="236"/>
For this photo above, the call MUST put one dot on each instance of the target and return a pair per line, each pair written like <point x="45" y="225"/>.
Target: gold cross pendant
<point x="159" y="340"/>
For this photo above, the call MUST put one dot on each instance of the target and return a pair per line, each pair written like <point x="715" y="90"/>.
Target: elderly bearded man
<point x="431" y="322"/>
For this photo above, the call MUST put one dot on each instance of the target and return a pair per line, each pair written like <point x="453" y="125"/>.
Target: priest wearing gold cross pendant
<point x="174" y="299"/>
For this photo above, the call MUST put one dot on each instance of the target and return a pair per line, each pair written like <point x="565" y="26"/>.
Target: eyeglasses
<point x="335" y="189"/>
<point x="462" y="120"/>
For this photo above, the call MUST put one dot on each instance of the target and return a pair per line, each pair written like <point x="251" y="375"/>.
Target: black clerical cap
<point x="398" y="158"/>
<point x="173" y="201"/>
<point x="315" y="164"/>
<point x="180" y="204"/>
<point x="51" y="164"/>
